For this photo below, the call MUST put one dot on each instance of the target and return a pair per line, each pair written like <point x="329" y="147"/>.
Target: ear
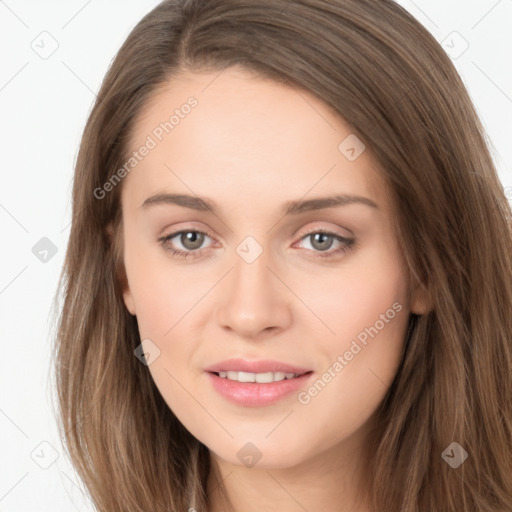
<point x="420" y="302"/>
<point x="128" y="301"/>
<point x="116" y="240"/>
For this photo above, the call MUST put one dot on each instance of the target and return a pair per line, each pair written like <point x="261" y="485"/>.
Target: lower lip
<point x="254" y="394"/>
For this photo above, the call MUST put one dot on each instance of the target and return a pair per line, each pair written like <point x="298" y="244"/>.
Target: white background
<point x="44" y="104"/>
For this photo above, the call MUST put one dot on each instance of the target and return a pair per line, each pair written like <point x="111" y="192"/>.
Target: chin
<point x="261" y="453"/>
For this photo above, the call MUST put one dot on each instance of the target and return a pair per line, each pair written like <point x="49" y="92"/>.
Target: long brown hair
<point x="391" y="81"/>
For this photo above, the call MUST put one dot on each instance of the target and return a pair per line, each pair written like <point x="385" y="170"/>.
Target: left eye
<point x="192" y="240"/>
<point x="321" y="241"/>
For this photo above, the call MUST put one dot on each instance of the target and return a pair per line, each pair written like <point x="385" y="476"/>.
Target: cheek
<point x="167" y="297"/>
<point x="362" y="298"/>
<point x="368" y="312"/>
<point x="162" y="291"/>
<point x="165" y="300"/>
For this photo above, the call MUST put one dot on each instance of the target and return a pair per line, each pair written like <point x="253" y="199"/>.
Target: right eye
<point x="190" y="239"/>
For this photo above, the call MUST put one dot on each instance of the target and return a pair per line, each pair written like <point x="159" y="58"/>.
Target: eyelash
<point x="348" y="244"/>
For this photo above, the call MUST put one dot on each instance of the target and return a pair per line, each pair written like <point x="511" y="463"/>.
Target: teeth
<point x="264" y="378"/>
<point x="246" y="377"/>
<point x="261" y="378"/>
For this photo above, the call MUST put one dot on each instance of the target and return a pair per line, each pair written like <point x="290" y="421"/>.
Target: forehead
<point x="208" y="131"/>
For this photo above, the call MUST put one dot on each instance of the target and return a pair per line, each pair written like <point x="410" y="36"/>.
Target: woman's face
<point x="242" y="180"/>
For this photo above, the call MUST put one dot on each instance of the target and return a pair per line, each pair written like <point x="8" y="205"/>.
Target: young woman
<point x="288" y="282"/>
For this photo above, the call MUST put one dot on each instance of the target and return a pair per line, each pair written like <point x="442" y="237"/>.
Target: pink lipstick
<point x="256" y="383"/>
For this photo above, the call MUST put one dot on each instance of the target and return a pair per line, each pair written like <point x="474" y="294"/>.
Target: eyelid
<point x="187" y="226"/>
<point x="323" y="229"/>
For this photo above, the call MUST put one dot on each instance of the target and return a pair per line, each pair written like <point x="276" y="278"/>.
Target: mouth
<point x="256" y="383"/>
<point x="260" y="378"/>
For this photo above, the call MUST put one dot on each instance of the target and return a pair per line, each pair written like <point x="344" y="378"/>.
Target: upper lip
<point x="262" y="366"/>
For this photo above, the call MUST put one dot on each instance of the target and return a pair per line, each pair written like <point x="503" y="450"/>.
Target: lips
<point x="256" y="383"/>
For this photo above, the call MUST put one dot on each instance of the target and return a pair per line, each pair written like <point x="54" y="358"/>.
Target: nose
<point x="253" y="300"/>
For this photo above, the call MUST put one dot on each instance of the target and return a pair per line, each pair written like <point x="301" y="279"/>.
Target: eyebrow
<point x="289" y="208"/>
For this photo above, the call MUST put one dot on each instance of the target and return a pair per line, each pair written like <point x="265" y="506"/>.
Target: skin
<point x="251" y="145"/>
